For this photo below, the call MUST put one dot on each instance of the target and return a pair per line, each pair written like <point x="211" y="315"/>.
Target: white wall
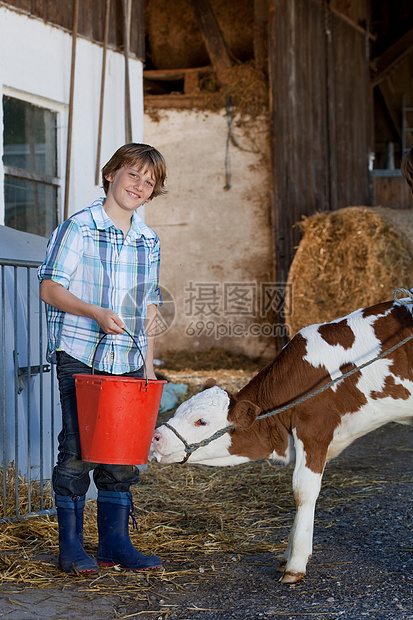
<point x="36" y="66"/>
<point x="210" y="236"/>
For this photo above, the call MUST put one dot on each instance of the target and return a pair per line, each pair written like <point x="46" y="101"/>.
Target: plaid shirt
<point x="91" y="258"/>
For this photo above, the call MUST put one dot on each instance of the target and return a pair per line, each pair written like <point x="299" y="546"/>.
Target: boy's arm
<point x="150" y="324"/>
<point x="56" y="295"/>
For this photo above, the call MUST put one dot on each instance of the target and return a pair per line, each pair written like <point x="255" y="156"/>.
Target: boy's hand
<point x="109" y="321"/>
<point x="150" y="373"/>
<point x="56" y="295"/>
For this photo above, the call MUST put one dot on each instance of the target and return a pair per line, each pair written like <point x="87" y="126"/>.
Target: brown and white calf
<point x="316" y="430"/>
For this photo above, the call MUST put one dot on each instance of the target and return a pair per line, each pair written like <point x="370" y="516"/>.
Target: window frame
<point x="20" y="173"/>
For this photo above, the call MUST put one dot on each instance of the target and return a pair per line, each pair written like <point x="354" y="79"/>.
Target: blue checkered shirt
<point x="90" y="257"/>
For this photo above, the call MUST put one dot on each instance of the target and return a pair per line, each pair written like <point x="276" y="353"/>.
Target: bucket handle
<point x="136" y="344"/>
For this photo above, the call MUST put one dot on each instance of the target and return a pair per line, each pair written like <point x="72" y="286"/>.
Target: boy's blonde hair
<point x="139" y="156"/>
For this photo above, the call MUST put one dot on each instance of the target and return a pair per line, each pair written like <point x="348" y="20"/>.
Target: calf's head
<point x="198" y="419"/>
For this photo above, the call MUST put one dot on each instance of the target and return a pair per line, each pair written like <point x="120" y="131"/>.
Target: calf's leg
<point x="306" y="488"/>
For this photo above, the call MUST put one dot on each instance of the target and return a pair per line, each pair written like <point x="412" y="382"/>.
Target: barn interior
<point x="310" y="101"/>
<point x="326" y="86"/>
<point x="184" y="64"/>
<point x="332" y="79"/>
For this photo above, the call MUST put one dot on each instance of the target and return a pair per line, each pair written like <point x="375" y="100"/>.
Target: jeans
<point x="71" y="474"/>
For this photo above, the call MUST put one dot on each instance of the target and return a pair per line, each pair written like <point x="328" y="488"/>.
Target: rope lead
<point x="408" y="299"/>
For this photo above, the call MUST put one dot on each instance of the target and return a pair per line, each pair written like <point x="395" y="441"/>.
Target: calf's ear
<point x="243" y="414"/>
<point x="209" y="383"/>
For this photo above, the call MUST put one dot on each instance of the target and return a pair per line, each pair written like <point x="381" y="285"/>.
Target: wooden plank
<point x="260" y="35"/>
<point x="191" y="83"/>
<point x="126" y="38"/>
<point x="39" y="8"/>
<point x="319" y="116"/>
<point x="71" y="100"/>
<point x="60" y="13"/>
<point x="102" y="92"/>
<point x="348" y="21"/>
<point x="24" y="5"/>
<point x="116" y="25"/>
<point x="137" y="35"/>
<point x="384" y="63"/>
<point x="339" y="110"/>
<point x="164" y="75"/>
<point x="212" y="36"/>
<point x="275" y="146"/>
<point x="352" y="114"/>
<point x="392" y="104"/>
<point x="302" y="115"/>
<point x="179" y="102"/>
<point x="91" y="19"/>
<point x="331" y="107"/>
<point x="392" y="192"/>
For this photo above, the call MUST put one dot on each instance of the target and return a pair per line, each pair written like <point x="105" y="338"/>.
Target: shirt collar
<point x="103" y="221"/>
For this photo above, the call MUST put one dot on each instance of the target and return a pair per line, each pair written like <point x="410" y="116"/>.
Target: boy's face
<point x="130" y="187"/>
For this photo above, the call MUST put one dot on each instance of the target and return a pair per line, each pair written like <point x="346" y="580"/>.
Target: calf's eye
<point x="201" y="422"/>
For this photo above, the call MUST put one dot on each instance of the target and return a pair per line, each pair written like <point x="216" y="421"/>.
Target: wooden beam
<point x="178" y="102"/>
<point x="102" y="91"/>
<point x="277" y="153"/>
<point x="212" y="36"/>
<point x="165" y="75"/>
<point x="126" y="4"/>
<point x="393" y="106"/>
<point x="331" y="108"/>
<point x="71" y="101"/>
<point x="383" y="64"/>
<point x="139" y="25"/>
<point x="260" y="34"/>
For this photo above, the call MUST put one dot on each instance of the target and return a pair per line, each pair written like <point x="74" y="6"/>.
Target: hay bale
<point x="348" y="259"/>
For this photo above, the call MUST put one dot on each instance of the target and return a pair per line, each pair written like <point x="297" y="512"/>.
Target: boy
<point x="100" y="276"/>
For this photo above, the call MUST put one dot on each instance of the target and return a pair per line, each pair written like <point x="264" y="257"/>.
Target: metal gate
<point x="28" y="393"/>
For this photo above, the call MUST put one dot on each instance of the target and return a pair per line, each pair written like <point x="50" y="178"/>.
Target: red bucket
<point x="117" y="417"/>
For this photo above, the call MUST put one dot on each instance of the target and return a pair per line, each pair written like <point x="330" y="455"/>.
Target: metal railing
<point x="28" y="393"/>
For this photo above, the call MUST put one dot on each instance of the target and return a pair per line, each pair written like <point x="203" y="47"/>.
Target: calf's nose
<point x="157" y="436"/>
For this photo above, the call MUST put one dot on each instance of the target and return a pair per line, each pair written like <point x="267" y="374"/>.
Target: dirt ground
<point x="362" y="566"/>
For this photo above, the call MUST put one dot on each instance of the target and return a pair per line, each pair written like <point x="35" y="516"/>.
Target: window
<point x="30" y="167"/>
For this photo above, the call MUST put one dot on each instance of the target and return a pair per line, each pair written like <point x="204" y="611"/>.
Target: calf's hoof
<point x="291" y="577"/>
<point x="281" y="566"/>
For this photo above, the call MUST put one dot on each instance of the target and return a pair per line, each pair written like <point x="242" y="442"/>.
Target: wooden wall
<point x="320" y="112"/>
<point x="91" y="19"/>
<point x="391" y="190"/>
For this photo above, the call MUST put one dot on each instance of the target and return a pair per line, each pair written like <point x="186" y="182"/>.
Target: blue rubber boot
<point x="72" y="556"/>
<point x="115" y="546"/>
